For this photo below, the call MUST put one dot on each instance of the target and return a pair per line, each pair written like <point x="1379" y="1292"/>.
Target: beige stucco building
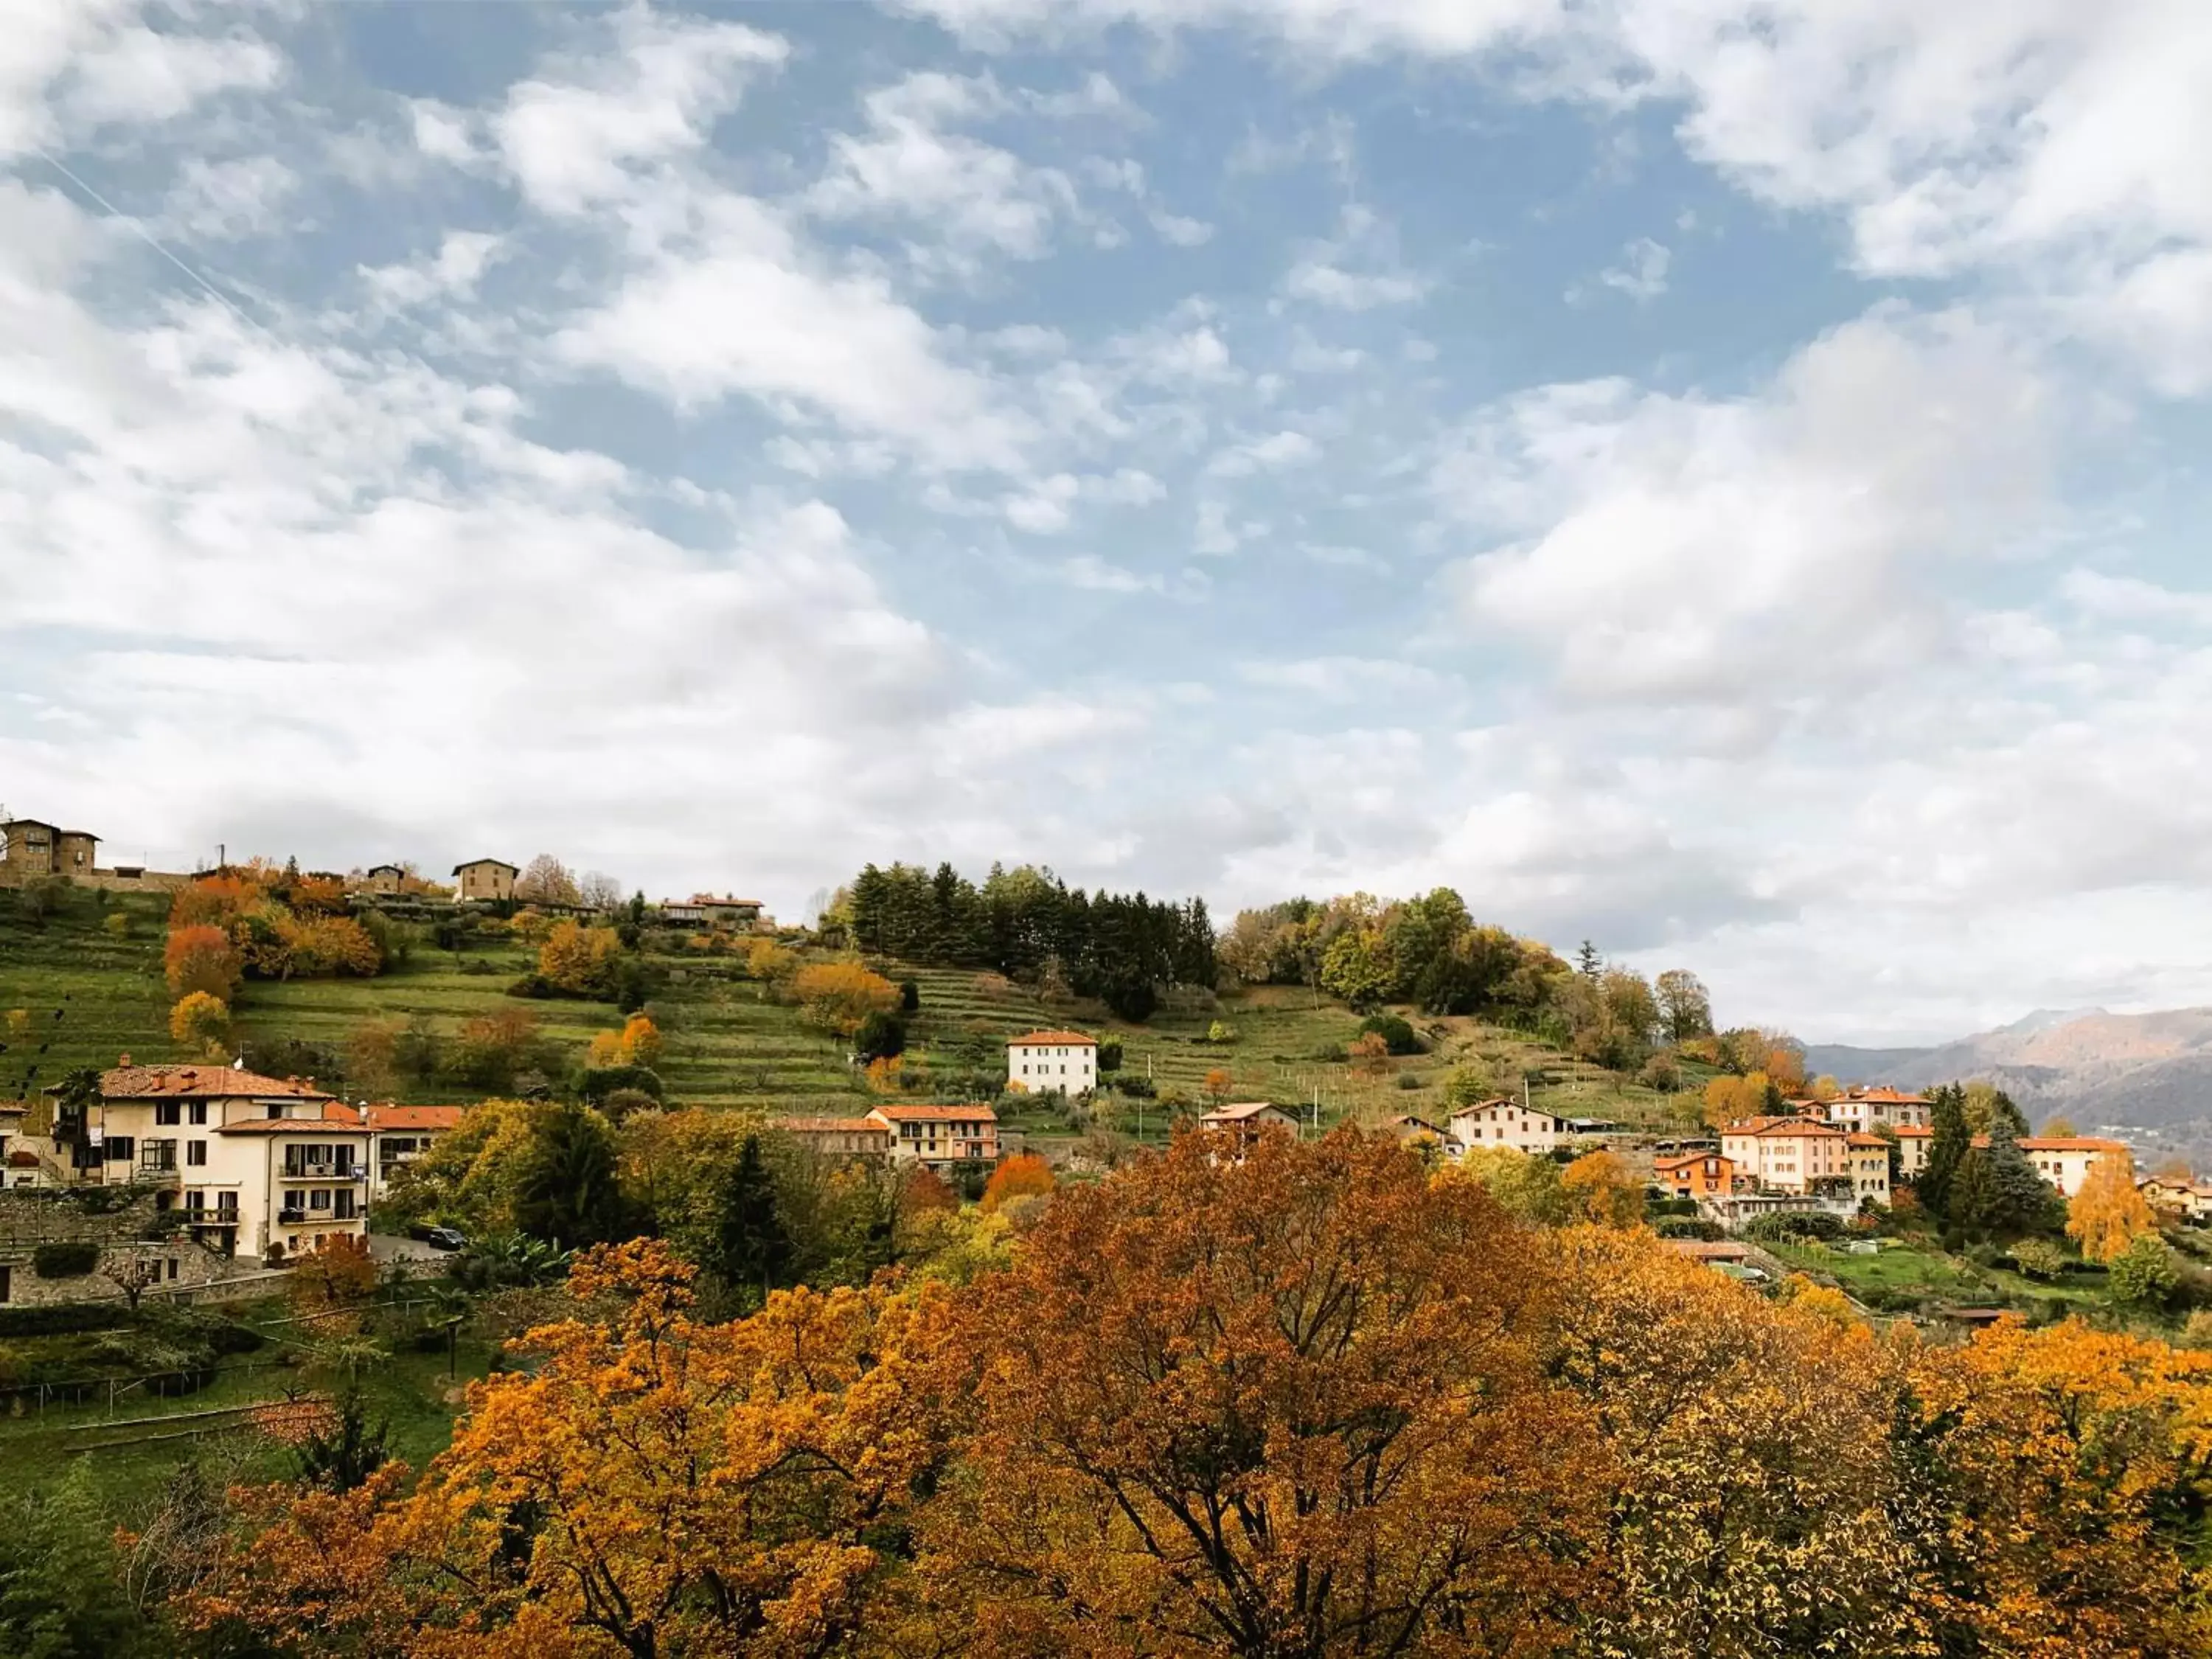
<point x="253" y="1162"/>
<point x="1506" y="1122"/>
<point x="838" y="1137"/>
<point x="940" y="1134"/>
<point x="1788" y="1154"/>
<point x="485" y="878"/>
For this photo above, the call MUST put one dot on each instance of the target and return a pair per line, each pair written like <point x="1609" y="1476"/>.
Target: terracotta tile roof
<point x="822" y="1126"/>
<point x="202" y="1083"/>
<point x="1885" y="1096"/>
<point x="1869" y="1140"/>
<point x="936" y="1113"/>
<point x="1042" y="1039"/>
<point x="501" y="863"/>
<point x="391" y="1116"/>
<point x="1680" y="1158"/>
<point x="1704" y="1250"/>
<point x="2062" y="1143"/>
<point x="1792" y="1127"/>
<point x="1241" y="1112"/>
<point x="1912" y="1132"/>
<point x="1498" y="1100"/>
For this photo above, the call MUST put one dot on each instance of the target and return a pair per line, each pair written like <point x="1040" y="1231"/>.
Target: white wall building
<point x="1065" y="1062"/>
<point x="251" y="1161"/>
<point x="1865" y="1109"/>
<point x="1789" y="1154"/>
<point x="1506" y="1122"/>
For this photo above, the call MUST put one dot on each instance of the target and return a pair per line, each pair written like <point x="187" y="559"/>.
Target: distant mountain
<point x="2150" y="1071"/>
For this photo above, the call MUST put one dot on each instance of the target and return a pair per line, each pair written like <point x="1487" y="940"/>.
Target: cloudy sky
<point x="1722" y="477"/>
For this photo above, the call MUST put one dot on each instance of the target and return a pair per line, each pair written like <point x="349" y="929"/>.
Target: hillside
<point x="2149" y="1072"/>
<point x="93" y="995"/>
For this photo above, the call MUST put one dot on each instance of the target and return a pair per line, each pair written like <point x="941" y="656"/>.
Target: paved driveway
<point x="397" y="1247"/>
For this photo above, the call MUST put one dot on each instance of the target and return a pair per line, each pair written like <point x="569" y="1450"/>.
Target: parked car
<point x="438" y="1238"/>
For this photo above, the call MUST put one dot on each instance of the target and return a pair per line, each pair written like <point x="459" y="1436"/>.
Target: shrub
<point x="2039" y="1258"/>
<point x="1407" y="1081"/>
<point x="881" y="1037"/>
<point x="910" y="996"/>
<point x="2143" y="1275"/>
<point x="1794" y="1224"/>
<point x="72" y="1260"/>
<point x="596" y="1083"/>
<point x="1683" y="1227"/>
<point x="1137" y="1088"/>
<point x="1110" y="1054"/>
<point x="1395" y="1033"/>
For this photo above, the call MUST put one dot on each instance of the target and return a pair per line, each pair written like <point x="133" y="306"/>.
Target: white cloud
<point x="1270" y="453"/>
<point x="453" y="271"/>
<point x="1642" y="274"/>
<point x="1174" y="228"/>
<point x="574" y="135"/>
<point x="223" y="200"/>
<point x="67" y="66"/>
<point x="1348" y="679"/>
<point x="1348" y="290"/>
<point x="1683" y="547"/>
<point x="912" y="166"/>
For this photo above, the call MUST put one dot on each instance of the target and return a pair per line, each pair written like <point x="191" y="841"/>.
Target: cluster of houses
<point x="248" y="1168"/>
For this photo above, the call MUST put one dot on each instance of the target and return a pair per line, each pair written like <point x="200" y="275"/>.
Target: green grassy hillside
<point x="93" y="995"/>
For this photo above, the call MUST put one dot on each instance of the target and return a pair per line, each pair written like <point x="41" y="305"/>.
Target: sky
<point x="1720" y="479"/>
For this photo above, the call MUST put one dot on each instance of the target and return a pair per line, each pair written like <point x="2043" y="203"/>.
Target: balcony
<point x="324" y="1172"/>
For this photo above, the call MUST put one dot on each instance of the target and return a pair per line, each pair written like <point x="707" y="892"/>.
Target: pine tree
<point x="751" y="1246"/>
<point x="1946" y="1149"/>
<point x="2013" y="1199"/>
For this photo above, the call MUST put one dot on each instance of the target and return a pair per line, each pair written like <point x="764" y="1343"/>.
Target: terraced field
<point x="727" y="1045"/>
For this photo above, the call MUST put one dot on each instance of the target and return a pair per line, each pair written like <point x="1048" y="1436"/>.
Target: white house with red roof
<point x="400" y="1134"/>
<point x="1043" y="1062"/>
<point x="255" y="1162"/>
<point x="1863" y="1110"/>
<point x="1789" y="1154"/>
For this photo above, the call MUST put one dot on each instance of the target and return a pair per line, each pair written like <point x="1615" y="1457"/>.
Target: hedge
<point x="73" y="1260"/>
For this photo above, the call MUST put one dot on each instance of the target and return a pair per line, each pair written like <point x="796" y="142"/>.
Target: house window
<point x="199" y="1113"/>
<point x="319" y="1199"/>
<point x="196" y="1152"/>
<point x="121" y="1149"/>
<point x="167" y="1113"/>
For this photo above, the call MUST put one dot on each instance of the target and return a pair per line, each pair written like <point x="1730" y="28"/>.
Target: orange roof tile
<point x="937" y="1114"/>
<point x="1678" y="1159"/>
<point x="391" y="1116"/>
<point x="1869" y="1141"/>
<point x="1912" y="1132"/>
<point x="1041" y="1039"/>
<point x="1781" y="1126"/>
<point x="202" y="1083"/>
<point x="1241" y="1111"/>
<point x="2062" y="1143"/>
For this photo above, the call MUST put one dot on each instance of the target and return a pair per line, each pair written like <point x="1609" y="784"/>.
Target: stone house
<point x="30" y="849"/>
<point x="485" y="878"/>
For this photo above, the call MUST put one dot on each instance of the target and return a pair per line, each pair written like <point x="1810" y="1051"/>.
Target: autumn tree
<point x="836" y="996"/>
<point x="654" y="1485"/>
<point x="199" y="957"/>
<point x="1685" y="1007"/>
<point x="1218" y="1084"/>
<point x="638" y="1043"/>
<point x="546" y="880"/>
<point x="579" y="960"/>
<point x="200" y="1023"/>
<point x="2109" y="1214"/>
<point x="1737" y="1099"/>
<point x="1599" y="1187"/>
<point x="337" y="1272"/>
<point x="1293" y="1403"/>
<point x="1024" y="1175"/>
<point x="1370" y="1053"/>
<point x="1525" y="1187"/>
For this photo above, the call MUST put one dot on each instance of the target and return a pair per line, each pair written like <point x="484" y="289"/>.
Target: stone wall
<point x="28" y="1219"/>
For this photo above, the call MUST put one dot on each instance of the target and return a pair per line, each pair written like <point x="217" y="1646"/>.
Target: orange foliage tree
<point x="638" y="1043"/>
<point x="1023" y="1176"/>
<point x="338" y="1271"/>
<point x="1734" y="1099"/>
<point x="1602" y="1188"/>
<point x="579" y="960"/>
<point x="199" y="957"/>
<point x="689" y="1488"/>
<point x="1290" y="1404"/>
<point x="1218" y="1085"/>
<point x="836" y="996"/>
<point x="2110" y="1212"/>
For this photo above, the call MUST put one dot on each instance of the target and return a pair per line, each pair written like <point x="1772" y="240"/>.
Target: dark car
<point x="443" y="1238"/>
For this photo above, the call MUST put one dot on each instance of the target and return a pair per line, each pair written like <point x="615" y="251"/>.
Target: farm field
<point x="93" y="995"/>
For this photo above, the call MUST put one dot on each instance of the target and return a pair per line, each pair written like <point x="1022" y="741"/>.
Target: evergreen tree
<point x="2010" y="1198"/>
<point x="566" y="1193"/>
<point x="1947" y="1147"/>
<point x="752" y="1246"/>
<point x="1587" y="962"/>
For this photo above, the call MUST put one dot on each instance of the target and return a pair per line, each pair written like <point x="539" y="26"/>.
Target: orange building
<point x="1695" y="1175"/>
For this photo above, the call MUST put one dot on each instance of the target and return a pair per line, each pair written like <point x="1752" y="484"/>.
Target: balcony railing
<point x="324" y="1171"/>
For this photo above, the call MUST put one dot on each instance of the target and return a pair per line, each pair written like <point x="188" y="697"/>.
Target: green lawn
<point x="1900" y="1268"/>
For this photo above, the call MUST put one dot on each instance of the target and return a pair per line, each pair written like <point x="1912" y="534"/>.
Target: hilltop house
<point x="938" y="1135"/>
<point x="707" y="911"/>
<point x="1062" y="1062"/>
<point x="383" y="879"/>
<point x="1789" y="1154"/>
<point x="256" y="1163"/>
<point x="485" y="878"/>
<point x="29" y="849"/>
<point x="1864" y="1109"/>
<point x="1506" y="1122"/>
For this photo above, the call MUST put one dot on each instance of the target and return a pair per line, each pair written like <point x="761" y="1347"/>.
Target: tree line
<point x="1028" y="924"/>
<point x="1318" y="1401"/>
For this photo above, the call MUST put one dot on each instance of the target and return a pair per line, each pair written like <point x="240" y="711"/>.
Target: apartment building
<point x="940" y="1134"/>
